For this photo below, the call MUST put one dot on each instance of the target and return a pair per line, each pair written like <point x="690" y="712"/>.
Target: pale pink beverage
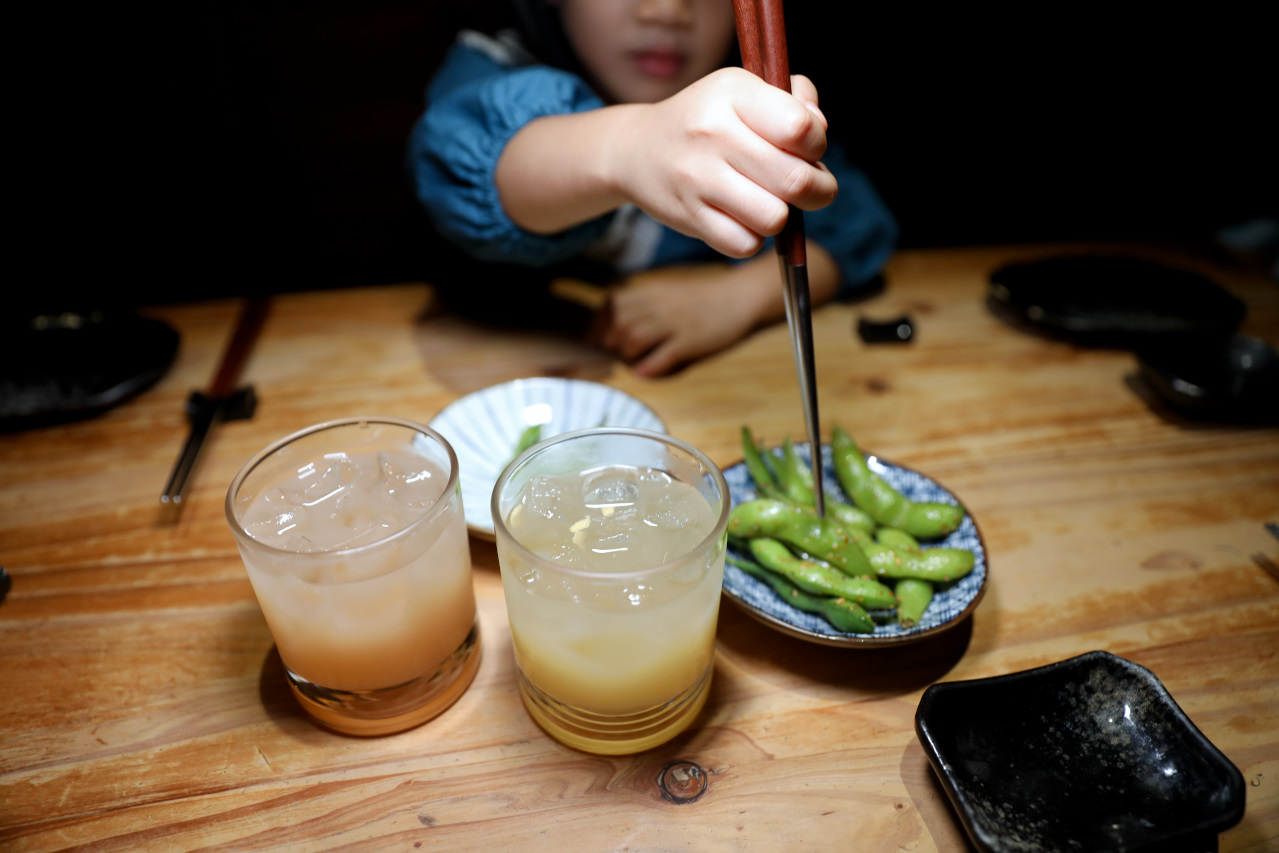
<point x="353" y="536"/>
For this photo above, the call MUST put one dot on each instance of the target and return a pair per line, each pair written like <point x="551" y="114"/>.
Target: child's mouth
<point x="658" y="63"/>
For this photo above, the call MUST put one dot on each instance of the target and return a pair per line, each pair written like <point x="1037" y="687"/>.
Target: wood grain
<point x="143" y="706"/>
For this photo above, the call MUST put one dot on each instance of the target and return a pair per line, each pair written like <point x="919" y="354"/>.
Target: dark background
<point x="199" y="149"/>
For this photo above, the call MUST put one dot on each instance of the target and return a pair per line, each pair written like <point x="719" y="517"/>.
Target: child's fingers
<point x="725" y="234"/>
<point x="790" y="180"/>
<point x="803" y="89"/>
<point x="660" y="361"/>
<point x="782" y="119"/>
<point x="734" y="200"/>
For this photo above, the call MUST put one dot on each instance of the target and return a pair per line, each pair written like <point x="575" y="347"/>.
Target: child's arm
<point x="719" y="161"/>
<point x="662" y="321"/>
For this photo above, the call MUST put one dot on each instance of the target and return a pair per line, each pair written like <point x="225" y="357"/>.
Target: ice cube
<point x="543" y="498"/>
<point x="562" y="554"/>
<point x="671" y="511"/>
<point x="410" y="479"/>
<point x="325" y="481"/>
<point x="270" y="529"/>
<point x="275" y="495"/>
<point x="300" y="544"/>
<point x="610" y="490"/>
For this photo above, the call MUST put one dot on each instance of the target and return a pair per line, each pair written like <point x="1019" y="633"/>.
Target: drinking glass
<point x="353" y="536"/>
<point x="611" y="545"/>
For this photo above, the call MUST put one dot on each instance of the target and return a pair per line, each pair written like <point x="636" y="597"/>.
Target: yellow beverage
<point x="360" y="562"/>
<point x="612" y="576"/>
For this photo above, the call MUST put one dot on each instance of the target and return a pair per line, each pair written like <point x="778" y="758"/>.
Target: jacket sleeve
<point x="475" y="105"/>
<point x="857" y="229"/>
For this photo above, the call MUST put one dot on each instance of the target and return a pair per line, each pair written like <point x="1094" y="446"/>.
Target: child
<point x="627" y="141"/>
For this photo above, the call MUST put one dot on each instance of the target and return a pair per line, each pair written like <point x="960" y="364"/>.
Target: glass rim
<point x="717" y="476"/>
<point x="435" y="509"/>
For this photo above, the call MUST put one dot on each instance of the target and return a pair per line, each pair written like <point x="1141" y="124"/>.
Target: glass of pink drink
<point x="611" y="544"/>
<point x="353" y="536"/>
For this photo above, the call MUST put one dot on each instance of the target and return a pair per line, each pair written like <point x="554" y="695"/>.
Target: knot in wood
<point x="682" y="782"/>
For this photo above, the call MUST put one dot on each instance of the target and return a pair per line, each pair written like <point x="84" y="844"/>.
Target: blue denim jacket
<point x="485" y="91"/>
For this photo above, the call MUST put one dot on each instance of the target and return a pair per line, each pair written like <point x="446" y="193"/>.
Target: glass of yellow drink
<point x="611" y="545"/>
<point x="353" y="536"/>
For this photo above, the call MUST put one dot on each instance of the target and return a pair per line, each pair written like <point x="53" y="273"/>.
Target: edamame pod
<point x="813" y="577"/>
<point x="795" y="478"/>
<point x="931" y="564"/>
<point x="763" y="477"/>
<point x="770" y="487"/>
<point x="849" y="516"/>
<point x="801" y="528"/>
<point x="529" y="437"/>
<point x="800" y="474"/>
<point x="898" y="540"/>
<point x="842" y="614"/>
<point x="884" y="503"/>
<point x="914" y="596"/>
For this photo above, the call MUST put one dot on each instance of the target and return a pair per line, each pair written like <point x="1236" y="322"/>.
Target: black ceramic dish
<point x="1111" y="300"/>
<point x="1086" y="754"/>
<point x="1230" y="377"/>
<point x="67" y="366"/>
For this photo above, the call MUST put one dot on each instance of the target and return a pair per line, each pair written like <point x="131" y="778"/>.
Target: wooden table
<point x="144" y="707"/>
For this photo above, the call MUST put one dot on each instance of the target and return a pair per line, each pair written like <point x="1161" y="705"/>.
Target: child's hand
<point x="721" y="159"/>
<point x="658" y="323"/>
<point x="662" y="320"/>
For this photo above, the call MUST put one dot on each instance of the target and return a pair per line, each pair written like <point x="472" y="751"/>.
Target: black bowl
<point x="1086" y="754"/>
<point x="1217" y="377"/>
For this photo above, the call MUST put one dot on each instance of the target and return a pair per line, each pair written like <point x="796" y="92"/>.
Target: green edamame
<point x="813" y="577"/>
<point x="844" y="615"/>
<point x="898" y="540"/>
<point x="914" y="596"/>
<point x="801" y="528"/>
<point x="924" y="520"/>
<point x="765" y="484"/>
<point x="795" y="478"/>
<point x="850" y="516"/>
<point x="930" y="564"/>
<point x="529" y="437"/>
<point x="769" y="486"/>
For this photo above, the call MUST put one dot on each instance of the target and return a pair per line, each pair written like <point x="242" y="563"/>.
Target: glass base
<point x="392" y="709"/>
<point x="604" y="734"/>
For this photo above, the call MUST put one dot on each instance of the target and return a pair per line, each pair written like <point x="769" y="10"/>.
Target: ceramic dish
<point x="70" y="366"/>
<point x="1111" y="300"/>
<point x="1089" y="753"/>
<point x="948" y="608"/>
<point x="1229" y="378"/>
<point x="484" y="428"/>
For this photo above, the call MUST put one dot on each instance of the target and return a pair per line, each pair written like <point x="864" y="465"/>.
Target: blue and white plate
<point x="950" y="605"/>
<point x="485" y="426"/>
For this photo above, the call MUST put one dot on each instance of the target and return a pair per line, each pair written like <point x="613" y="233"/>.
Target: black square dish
<point x="1086" y="754"/>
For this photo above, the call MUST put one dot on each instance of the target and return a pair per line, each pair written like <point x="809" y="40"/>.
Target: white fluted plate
<point x="485" y="426"/>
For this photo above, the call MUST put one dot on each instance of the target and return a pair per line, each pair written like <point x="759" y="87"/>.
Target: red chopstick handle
<point x="772" y="31"/>
<point x="761" y="37"/>
<point x="748" y="38"/>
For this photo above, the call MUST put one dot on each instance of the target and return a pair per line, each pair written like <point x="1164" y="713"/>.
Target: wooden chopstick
<point x="761" y="37"/>
<point x="748" y="37"/>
